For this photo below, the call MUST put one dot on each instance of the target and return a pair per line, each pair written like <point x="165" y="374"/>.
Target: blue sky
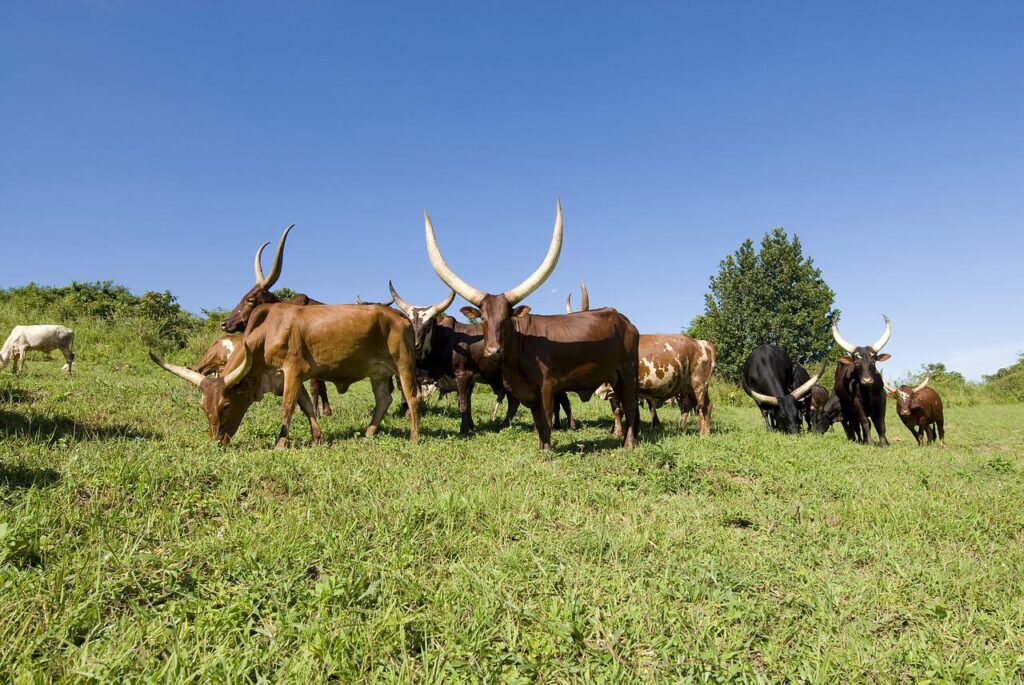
<point x="159" y="143"/>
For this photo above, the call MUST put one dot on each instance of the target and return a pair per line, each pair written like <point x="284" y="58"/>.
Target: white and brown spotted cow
<point x="674" y="367"/>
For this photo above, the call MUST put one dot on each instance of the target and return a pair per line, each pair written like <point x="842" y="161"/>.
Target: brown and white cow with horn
<point x="237" y="319"/>
<point x="920" y="409"/>
<point x="541" y="356"/>
<point x="860" y="388"/>
<point x="284" y="345"/>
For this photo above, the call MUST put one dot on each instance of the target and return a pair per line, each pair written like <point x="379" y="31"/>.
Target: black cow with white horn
<point x="773" y="381"/>
<point x="860" y="388"/>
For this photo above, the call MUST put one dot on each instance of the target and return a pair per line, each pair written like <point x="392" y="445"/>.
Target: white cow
<point x="44" y="338"/>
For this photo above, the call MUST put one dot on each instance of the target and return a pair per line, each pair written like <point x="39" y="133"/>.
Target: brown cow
<point x="674" y="367"/>
<point x="217" y="355"/>
<point x="284" y="345"/>
<point x="541" y="356"/>
<point x="920" y="409"/>
<point x="237" y="319"/>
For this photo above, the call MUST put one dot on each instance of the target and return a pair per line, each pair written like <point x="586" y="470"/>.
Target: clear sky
<point x="158" y="144"/>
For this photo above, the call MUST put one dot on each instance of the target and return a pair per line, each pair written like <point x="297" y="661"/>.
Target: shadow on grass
<point x="9" y="395"/>
<point x="13" y="477"/>
<point x="50" y="429"/>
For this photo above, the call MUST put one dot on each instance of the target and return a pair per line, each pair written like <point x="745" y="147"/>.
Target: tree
<point x="775" y="295"/>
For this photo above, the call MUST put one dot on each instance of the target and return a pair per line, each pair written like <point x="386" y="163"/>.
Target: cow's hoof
<point x="282" y="444"/>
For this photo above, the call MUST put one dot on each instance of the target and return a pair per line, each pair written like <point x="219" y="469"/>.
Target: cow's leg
<point x="931" y="431"/>
<point x="704" y="408"/>
<point x="497" y="406"/>
<point x="655" y="421"/>
<point x="292" y="386"/>
<point x="382" y="400"/>
<point x="19" y="361"/>
<point x="626" y="392"/>
<point x="768" y="423"/>
<point x="879" y="421"/>
<point x="510" y="412"/>
<point x="411" y="393"/>
<point x="542" y="410"/>
<point x="865" y="430"/>
<point x="562" y="402"/>
<point x="464" y="388"/>
<point x="69" y="357"/>
<point x="941" y="430"/>
<point x="322" y="404"/>
<point x="616" y="417"/>
<point x="307" y="407"/>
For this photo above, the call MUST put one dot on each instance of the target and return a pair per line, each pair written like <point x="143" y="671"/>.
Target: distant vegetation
<point x="772" y="295"/>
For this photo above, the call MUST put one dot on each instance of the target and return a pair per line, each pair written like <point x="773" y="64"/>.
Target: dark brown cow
<point x="284" y="345"/>
<point x="860" y="388"/>
<point x="817" y="399"/>
<point x="541" y="356"/>
<point x="920" y="409"/>
<point x="260" y="294"/>
<point x="674" y="367"/>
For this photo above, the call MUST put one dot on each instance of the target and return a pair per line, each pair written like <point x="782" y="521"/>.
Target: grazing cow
<point x="674" y="367"/>
<point x="860" y="388"/>
<point x="920" y="409"/>
<point x="237" y="319"/>
<point x="217" y="355"/>
<point x="284" y="345"/>
<point x="40" y="337"/>
<point x="541" y="356"/>
<point x="772" y="379"/>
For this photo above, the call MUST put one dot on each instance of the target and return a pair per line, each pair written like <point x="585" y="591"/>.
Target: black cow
<point x="772" y="379"/>
<point x="860" y="387"/>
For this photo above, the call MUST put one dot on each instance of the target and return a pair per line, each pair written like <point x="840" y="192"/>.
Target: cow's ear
<point x="845" y="360"/>
<point x="882" y="357"/>
<point x="471" y="313"/>
<point x="521" y="310"/>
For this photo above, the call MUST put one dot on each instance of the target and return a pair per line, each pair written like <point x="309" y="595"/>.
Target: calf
<point x="773" y="381"/>
<point x="40" y="337"/>
<point x="860" y="388"/>
<point x="284" y="345"/>
<point x="920" y="409"/>
<point x="817" y="398"/>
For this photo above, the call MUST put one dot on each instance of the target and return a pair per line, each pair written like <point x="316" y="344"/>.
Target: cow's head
<point x="907" y="398"/>
<point x="259" y="293"/>
<point x="225" y="399"/>
<point x="495" y="312"/>
<point x="787" y="409"/>
<point x="829" y="414"/>
<point x="422" y="318"/>
<point x="584" y="300"/>
<point x="864" y="358"/>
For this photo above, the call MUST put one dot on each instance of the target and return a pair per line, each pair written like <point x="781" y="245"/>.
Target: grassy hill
<point x="132" y="547"/>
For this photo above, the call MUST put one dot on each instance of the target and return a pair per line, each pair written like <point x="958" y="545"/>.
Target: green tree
<point x="775" y="295"/>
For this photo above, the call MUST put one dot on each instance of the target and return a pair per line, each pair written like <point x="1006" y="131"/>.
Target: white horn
<point x="402" y="304"/>
<point x="523" y="290"/>
<point x="568" y="303"/>
<point x="193" y="377"/>
<point x="924" y="383"/>
<point x="584" y="298"/>
<point x="444" y="271"/>
<point x="257" y="266"/>
<point x="839" y="339"/>
<point x="436" y="309"/>
<point x="806" y="387"/>
<point x="238" y="373"/>
<point x="877" y="347"/>
<point x="889" y="389"/>
<point x="762" y="399"/>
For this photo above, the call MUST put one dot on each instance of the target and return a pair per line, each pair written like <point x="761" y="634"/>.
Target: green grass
<point x="131" y="548"/>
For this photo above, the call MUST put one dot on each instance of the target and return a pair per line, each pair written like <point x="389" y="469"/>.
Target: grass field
<point x="132" y="549"/>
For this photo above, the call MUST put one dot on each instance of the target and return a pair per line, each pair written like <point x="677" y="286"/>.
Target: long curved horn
<point x="523" y="290"/>
<point x="444" y="271"/>
<point x="236" y="375"/>
<point x="275" y="268"/>
<point x="762" y="399"/>
<point x="257" y="266"/>
<point x="924" y="383"/>
<point x="436" y="309"/>
<point x="888" y="388"/>
<point x="402" y="304"/>
<point x="193" y="377"/>
<point x="568" y="303"/>
<point x="584" y="298"/>
<point x="806" y="387"/>
<point x="359" y="300"/>
<point x="840" y="340"/>
<point x="877" y="347"/>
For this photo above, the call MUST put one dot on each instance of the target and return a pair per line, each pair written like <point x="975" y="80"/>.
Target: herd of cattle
<point x="272" y="346"/>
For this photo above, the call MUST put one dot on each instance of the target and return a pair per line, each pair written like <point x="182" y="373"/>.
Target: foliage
<point x="1007" y="384"/>
<point x="284" y="294"/>
<point x="772" y="295"/>
<point x="155" y="318"/>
